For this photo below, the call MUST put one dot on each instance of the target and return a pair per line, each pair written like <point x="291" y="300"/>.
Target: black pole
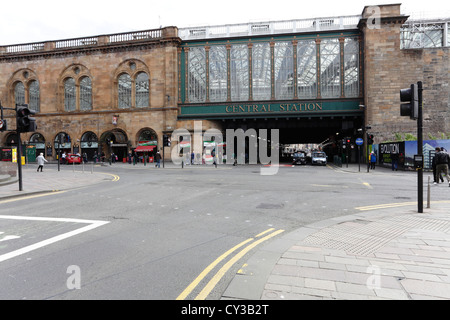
<point x="19" y="160"/>
<point x="367" y="153"/>
<point x="19" y="153"/>
<point x="420" y="148"/>
<point x="359" y="158"/>
<point x="59" y="151"/>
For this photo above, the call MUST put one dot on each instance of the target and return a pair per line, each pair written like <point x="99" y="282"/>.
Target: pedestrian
<point x="373" y="160"/>
<point x="158" y="159"/>
<point x="63" y="158"/>
<point x="434" y="165"/>
<point x="442" y="163"/>
<point x="394" y="159"/>
<point x="192" y="157"/>
<point x="41" y="160"/>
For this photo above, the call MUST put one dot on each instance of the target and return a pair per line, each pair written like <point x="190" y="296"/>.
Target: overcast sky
<point x="29" y="21"/>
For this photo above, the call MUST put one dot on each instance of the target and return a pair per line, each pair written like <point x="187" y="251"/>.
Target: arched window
<point x="85" y="94"/>
<point x="34" y="93"/>
<point x="124" y="91"/>
<point x="69" y="95"/>
<point x="142" y="90"/>
<point x="19" y="93"/>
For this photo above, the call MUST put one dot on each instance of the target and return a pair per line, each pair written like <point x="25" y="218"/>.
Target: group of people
<point x="441" y="163"/>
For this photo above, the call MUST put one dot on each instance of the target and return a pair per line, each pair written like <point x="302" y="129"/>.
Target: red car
<point x="73" y="158"/>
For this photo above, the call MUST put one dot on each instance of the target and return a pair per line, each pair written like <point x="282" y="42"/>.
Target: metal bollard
<point x="428" y="194"/>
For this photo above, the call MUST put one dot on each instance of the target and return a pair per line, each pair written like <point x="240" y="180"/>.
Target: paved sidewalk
<point x="50" y="180"/>
<point x="395" y="254"/>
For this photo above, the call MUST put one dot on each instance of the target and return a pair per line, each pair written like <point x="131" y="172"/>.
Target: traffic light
<point x="166" y="140"/>
<point x="25" y="120"/>
<point x="370" y="139"/>
<point x="348" y="140"/>
<point x="411" y="96"/>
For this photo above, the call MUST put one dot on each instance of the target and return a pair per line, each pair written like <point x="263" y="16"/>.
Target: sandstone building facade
<point x="115" y="93"/>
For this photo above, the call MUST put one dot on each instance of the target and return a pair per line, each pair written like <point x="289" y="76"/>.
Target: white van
<point x="318" y="158"/>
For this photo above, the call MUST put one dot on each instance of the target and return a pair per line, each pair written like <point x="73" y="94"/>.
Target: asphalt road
<point x="149" y="234"/>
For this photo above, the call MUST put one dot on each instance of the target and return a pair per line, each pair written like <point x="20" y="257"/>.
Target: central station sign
<point x="298" y="109"/>
<point x="289" y="107"/>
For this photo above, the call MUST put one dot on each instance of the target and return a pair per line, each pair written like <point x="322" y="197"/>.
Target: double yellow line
<point x="222" y="271"/>
<point x="394" y="205"/>
<point x="115" y="177"/>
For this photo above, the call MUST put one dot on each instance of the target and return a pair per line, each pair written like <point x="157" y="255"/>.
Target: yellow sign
<point x="14" y="155"/>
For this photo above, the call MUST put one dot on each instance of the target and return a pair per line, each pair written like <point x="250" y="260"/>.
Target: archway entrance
<point x="89" y="145"/>
<point x="114" y="141"/>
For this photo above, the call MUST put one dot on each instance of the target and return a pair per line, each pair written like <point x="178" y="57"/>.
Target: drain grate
<point x="361" y="237"/>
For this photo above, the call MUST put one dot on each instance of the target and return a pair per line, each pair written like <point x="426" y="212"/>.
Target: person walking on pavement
<point x="41" y="160"/>
<point x="433" y="163"/>
<point x="158" y="159"/>
<point x="373" y="160"/>
<point x="394" y="159"/>
<point x="442" y="163"/>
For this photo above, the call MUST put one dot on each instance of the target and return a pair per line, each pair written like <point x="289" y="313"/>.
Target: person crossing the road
<point x="442" y="163"/>
<point x="41" y="160"/>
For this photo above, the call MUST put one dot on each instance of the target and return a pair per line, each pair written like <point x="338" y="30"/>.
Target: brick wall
<point x="389" y="69"/>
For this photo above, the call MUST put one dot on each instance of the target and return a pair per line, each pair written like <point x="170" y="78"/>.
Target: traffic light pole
<point x="19" y="153"/>
<point x="420" y="148"/>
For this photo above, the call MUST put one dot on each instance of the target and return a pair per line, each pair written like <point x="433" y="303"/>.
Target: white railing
<point x="418" y="34"/>
<point x="83" y="42"/>
<point x="269" y="27"/>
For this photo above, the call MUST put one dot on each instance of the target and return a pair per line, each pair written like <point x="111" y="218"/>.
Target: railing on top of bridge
<point x="83" y="42"/>
<point x="270" y="27"/>
<point x="421" y="33"/>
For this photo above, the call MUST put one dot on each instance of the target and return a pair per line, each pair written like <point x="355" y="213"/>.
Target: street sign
<point x="359" y="142"/>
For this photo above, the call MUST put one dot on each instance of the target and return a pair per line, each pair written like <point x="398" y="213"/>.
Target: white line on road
<point x="92" y="224"/>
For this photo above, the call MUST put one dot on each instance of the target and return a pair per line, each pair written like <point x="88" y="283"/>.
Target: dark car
<point x="72" y="158"/>
<point x="298" y="158"/>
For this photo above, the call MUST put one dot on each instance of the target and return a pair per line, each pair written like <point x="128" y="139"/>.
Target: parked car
<point x="299" y="158"/>
<point x="72" y="158"/>
<point x="318" y="158"/>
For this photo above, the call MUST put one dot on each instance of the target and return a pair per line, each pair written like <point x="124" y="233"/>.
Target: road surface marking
<point x="202" y="275"/>
<point x="54" y="192"/>
<point x="208" y="269"/>
<point x="394" y="205"/>
<point x="92" y="224"/>
<point x="213" y="282"/>
<point x="115" y="177"/>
